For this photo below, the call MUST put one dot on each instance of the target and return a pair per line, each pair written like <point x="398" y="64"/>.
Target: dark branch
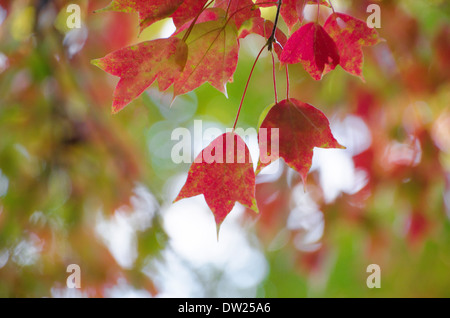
<point x="272" y="39"/>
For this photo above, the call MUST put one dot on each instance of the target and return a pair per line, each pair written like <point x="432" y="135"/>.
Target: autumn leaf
<point x="350" y="34"/>
<point x="288" y="11"/>
<point x="209" y="14"/>
<point x="187" y="11"/>
<point x="301" y="127"/>
<point x="264" y="28"/>
<point x="313" y="48"/>
<point x="149" y="11"/>
<point x="239" y="11"/>
<point x="223" y="173"/>
<point x="213" y="54"/>
<point x="138" y="66"/>
<point x="291" y="10"/>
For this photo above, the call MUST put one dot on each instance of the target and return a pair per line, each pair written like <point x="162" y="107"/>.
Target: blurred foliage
<point x="66" y="162"/>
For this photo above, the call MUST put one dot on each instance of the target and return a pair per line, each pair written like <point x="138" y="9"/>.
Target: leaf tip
<point x="141" y="30"/>
<point x="254" y="206"/>
<point x="304" y="177"/>
<point x="116" y="107"/>
<point x="317" y="77"/>
<point x="337" y="145"/>
<point x="99" y="63"/>
<point x="173" y="100"/>
<point x="304" y="187"/>
<point x="176" y="199"/>
<point x="224" y="91"/>
<point x="217" y="231"/>
<point x="258" y="168"/>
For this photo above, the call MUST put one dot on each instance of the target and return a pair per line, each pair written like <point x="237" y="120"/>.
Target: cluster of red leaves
<point x="205" y="48"/>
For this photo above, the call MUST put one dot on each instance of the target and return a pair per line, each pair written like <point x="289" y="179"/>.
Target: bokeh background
<point x="79" y="185"/>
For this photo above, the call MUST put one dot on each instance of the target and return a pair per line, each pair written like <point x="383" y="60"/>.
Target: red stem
<point x="246" y="86"/>
<point x="287" y="82"/>
<point x="332" y="8"/>
<point x="274" y="78"/>
<point x="318" y="11"/>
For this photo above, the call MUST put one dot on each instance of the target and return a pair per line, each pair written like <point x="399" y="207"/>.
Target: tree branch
<point x="272" y="38"/>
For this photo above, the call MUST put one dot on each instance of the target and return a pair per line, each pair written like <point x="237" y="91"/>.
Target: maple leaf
<point x="138" y="66"/>
<point x="291" y="10"/>
<point x="301" y="128"/>
<point x="149" y="11"/>
<point x="209" y="14"/>
<point x="313" y="47"/>
<point x="264" y="28"/>
<point x="350" y="34"/>
<point x="187" y="11"/>
<point x="223" y="173"/>
<point x="239" y="11"/>
<point x="213" y="54"/>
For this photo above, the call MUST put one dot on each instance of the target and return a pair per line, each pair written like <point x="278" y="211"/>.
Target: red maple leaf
<point x="239" y="11"/>
<point x="213" y="54"/>
<point x="209" y="14"/>
<point x="350" y="34"/>
<point x="301" y="127"/>
<point x="138" y="66"/>
<point x="149" y="11"/>
<point x="291" y="10"/>
<point x="313" y="47"/>
<point x="187" y="11"/>
<point x="223" y="173"/>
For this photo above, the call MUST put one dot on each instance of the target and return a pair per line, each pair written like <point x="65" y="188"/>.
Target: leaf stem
<point x="287" y="82"/>
<point x="274" y="78"/>
<point x="332" y="8"/>
<point x="318" y="11"/>
<point x="246" y="86"/>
